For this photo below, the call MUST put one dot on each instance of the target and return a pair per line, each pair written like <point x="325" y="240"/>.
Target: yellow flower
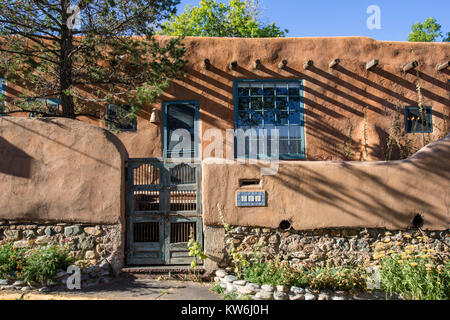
<point x="428" y="269"/>
<point x="400" y="261"/>
<point x="388" y="234"/>
<point x="407" y="236"/>
<point x="413" y="264"/>
<point x="428" y="265"/>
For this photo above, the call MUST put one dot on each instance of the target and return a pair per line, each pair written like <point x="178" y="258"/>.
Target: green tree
<point x="447" y="38"/>
<point x="87" y="53"/>
<point x="237" y="18"/>
<point x="427" y="31"/>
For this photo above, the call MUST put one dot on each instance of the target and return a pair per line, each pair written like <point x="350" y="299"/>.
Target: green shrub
<point x="11" y="259"/>
<point x="335" y="278"/>
<point x="279" y="273"/>
<point x="268" y="272"/>
<point x="415" y="276"/>
<point x="41" y="263"/>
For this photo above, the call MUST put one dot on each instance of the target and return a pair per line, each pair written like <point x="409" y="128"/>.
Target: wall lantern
<point x="154" y="117"/>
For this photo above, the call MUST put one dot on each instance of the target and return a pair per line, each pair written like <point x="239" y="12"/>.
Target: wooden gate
<point x="163" y="209"/>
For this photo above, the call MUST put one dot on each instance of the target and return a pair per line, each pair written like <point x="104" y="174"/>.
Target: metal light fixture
<point x="154" y="117"/>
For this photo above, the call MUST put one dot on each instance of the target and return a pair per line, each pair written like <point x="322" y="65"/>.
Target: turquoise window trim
<point x="108" y="112"/>
<point x="54" y="101"/>
<point x="197" y="141"/>
<point x="286" y="156"/>
<point x="2" y="94"/>
<point x="429" y="112"/>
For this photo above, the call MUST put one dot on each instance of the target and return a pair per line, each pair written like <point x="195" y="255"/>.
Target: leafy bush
<point x="279" y="273"/>
<point x="415" y="276"/>
<point x="41" y="263"/>
<point x="11" y="259"/>
<point x="268" y="272"/>
<point x="335" y="278"/>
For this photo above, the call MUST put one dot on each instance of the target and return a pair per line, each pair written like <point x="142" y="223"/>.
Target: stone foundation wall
<point x="91" y="245"/>
<point x="306" y="248"/>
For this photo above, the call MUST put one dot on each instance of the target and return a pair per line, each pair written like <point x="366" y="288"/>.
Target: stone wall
<point x="90" y="244"/>
<point x="316" y="247"/>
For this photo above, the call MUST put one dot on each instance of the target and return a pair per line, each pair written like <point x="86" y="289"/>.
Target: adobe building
<point x="343" y="106"/>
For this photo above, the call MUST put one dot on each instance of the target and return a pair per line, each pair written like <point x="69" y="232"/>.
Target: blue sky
<point x="320" y="18"/>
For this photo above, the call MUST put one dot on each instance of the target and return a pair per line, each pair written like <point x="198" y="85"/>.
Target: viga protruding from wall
<point x="60" y="170"/>
<point x="310" y="195"/>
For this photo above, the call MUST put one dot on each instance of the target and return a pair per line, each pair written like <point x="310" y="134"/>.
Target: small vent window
<point x="249" y="182"/>
<point x="418" y="119"/>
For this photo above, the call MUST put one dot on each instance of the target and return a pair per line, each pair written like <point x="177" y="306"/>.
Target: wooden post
<point x="207" y="63"/>
<point x="257" y="64"/>
<point x="334" y="63"/>
<point x="233" y="64"/>
<point x="282" y="64"/>
<point x="443" y="66"/>
<point x="308" y="64"/>
<point x="371" y="64"/>
<point x="409" y="66"/>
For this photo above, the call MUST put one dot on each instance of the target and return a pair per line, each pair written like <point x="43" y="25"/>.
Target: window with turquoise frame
<point x="2" y="94"/>
<point x="418" y="120"/>
<point x="270" y="104"/>
<point x="47" y="105"/>
<point x="181" y="129"/>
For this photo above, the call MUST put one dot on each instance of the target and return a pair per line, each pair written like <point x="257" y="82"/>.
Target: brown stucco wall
<point x="60" y="170"/>
<point x="319" y="194"/>
<point x="335" y="99"/>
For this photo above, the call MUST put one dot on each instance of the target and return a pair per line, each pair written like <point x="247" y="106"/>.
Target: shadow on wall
<point x="429" y="163"/>
<point x="319" y="194"/>
<point x="14" y="161"/>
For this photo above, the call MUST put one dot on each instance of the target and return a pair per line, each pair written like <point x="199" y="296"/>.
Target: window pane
<point x="294" y="117"/>
<point x="257" y="103"/>
<point x="269" y="102"/>
<point x="180" y="116"/>
<point x="419" y="120"/>
<point x="295" y="132"/>
<point x="295" y="146"/>
<point x="294" y="103"/>
<point x="282" y="89"/>
<point x="282" y="117"/>
<point x="243" y="103"/>
<point x="282" y="102"/>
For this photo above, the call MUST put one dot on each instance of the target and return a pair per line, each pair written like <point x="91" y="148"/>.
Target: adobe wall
<point x="318" y="194"/>
<point x="335" y="99"/>
<point x="60" y="170"/>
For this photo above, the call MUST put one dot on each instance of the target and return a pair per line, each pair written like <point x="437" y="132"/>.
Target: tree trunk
<point x="65" y="73"/>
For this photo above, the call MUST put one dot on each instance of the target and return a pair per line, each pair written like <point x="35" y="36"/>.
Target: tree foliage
<point x="426" y="31"/>
<point x="211" y="18"/>
<point x="87" y="53"/>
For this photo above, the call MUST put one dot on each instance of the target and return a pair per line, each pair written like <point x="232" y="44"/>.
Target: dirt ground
<point x="126" y="287"/>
